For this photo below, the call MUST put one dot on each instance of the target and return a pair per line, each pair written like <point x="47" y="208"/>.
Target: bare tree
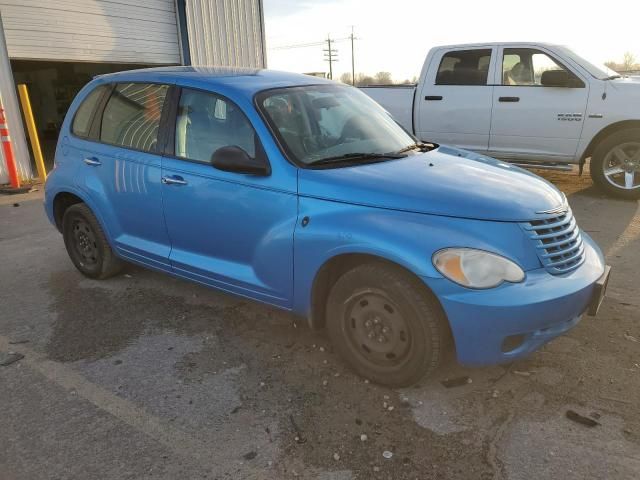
<point x="383" y="78"/>
<point x="364" y="80"/>
<point x="629" y="61"/>
<point x="346" y="78"/>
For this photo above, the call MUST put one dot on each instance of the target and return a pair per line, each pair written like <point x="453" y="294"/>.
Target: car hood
<point x="446" y="181"/>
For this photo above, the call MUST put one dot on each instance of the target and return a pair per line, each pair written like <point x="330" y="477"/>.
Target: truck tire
<point x="386" y="325"/>
<point x="87" y="244"/>
<point x="615" y="164"/>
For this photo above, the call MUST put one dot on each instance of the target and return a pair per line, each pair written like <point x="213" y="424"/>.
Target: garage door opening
<point x="52" y="87"/>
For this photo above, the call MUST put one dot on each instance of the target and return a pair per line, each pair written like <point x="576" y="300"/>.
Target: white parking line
<point x="152" y="426"/>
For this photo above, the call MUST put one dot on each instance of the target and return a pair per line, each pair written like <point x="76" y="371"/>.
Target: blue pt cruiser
<point x="305" y="194"/>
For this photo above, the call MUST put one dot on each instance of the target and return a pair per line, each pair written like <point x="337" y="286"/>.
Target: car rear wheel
<point x="386" y="325"/>
<point x="615" y="164"/>
<point x="87" y="244"/>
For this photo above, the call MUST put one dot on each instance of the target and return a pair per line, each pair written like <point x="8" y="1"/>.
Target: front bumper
<point x="532" y="312"/>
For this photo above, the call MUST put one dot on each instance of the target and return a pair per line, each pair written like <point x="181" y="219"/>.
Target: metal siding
<point x="92" y="30"/>
<point x="226" y="32"/>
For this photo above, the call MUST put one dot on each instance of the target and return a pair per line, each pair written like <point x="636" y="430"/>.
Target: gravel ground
<point x="147" y="376"/>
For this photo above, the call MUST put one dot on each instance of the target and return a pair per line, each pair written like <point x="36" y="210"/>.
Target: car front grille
<point x="558" y="242"/>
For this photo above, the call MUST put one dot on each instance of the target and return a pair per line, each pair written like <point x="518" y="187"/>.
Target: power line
<point x="298" y="45"/>
<point x="305" y="45"/>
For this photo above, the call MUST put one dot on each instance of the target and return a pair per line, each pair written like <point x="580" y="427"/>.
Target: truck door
<point x="538" y="107"/>
<point x="454" y="104"/>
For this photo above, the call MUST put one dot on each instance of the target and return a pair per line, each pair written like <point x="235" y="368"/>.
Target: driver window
<point x="525" y="66"/>
<point x="207" y="122"/>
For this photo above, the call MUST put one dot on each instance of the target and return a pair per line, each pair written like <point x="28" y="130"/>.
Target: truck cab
<point x="531" y="103"/>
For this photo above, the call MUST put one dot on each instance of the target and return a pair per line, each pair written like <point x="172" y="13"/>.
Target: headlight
<point x="476" y="268"/>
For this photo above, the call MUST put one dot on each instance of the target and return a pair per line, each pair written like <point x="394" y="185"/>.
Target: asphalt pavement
<point x="147" y="376"/>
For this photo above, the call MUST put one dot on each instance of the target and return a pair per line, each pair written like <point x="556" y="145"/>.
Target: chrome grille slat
<point x="570" y="227"/>
<point x="575" y="254"/>
<point x="558" y="242"/>
<point x="574" y="236"/>
<point x="557" y="222"/>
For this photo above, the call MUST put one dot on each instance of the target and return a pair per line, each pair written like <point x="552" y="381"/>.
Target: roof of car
<point x="249" y="80"/>
<point x="495" y="44"/>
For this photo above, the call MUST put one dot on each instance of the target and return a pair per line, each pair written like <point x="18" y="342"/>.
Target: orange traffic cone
<point x="10" y="160"/>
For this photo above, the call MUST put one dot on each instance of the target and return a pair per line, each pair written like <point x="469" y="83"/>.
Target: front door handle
<point x="92" y="161"/>
<point x="509" y="99"/>
<point x="174" y="180"/>
<point x="433" y="97"/>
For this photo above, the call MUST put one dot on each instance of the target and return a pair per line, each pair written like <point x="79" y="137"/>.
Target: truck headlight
<point x="476" y="268"/>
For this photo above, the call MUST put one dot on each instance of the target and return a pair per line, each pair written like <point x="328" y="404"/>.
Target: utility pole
<point x="353" y="61"/>
<point x="330" y="55"/>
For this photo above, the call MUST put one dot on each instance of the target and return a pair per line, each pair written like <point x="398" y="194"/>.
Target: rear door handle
<point x="92" y="161"/>
<point x="433" y="97"/>
<point x="509" y="99"/>
<point x="174" y="180"/>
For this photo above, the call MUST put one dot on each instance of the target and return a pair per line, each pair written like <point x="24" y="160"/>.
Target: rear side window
<point x="464" y="67"/>
<point x="84" y="115"/>
<point x="207" y="122"/>
<point x="131" y="117"/>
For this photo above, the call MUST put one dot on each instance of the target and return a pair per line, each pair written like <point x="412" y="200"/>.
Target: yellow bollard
<point x="33" y="132"/>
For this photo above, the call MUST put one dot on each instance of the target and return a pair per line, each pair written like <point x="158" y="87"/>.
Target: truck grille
<point x="558" y="242"/>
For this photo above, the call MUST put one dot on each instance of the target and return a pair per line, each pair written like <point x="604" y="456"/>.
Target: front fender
<point x="407" y="239"/>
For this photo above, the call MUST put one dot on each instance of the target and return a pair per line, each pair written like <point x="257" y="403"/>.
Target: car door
<point x="229" y="230"/>
<point x="454" y="104"/>
<point x="532" y="121"/>
<point x="121" y="171"/>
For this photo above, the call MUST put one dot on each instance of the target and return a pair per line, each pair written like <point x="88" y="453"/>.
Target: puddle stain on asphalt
<point x="286" y="375"/>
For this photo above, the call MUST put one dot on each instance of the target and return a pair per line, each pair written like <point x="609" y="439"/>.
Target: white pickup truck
<point x="533" y="104"/>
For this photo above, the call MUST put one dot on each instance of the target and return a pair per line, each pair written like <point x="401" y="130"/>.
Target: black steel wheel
<point x="386" y="325"/>
<point x="87" y="244"/>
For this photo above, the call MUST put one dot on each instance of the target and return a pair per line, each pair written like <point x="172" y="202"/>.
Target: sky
<point x="395" y="35"/>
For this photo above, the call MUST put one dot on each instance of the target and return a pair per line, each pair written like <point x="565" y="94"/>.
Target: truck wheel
<point x="386" y="325"/>
<point x="87" y="244"/>
<point x="615" y="164"/>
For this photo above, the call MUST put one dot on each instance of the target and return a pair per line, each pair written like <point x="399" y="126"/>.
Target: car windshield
<point x="595" y="68"/>
<point x="317" y="123"/>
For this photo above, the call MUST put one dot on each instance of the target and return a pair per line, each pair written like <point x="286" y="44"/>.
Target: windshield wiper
<point x="612" y="77"/>
<point x="423" y="147"/>
<point x="347" y="157"/>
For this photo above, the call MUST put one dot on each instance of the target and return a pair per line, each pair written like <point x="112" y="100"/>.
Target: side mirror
<point x="235" y="159"/>
<point x="555" y="78"/>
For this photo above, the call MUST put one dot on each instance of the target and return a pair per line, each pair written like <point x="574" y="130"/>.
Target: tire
<point x="409" y="328"/>
<point x="605" y="157"/>
<point x="87" y="244"/>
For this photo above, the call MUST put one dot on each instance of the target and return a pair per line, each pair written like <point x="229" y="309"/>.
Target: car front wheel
<point x="386" y="325"/>
<point x="615" y="164"/>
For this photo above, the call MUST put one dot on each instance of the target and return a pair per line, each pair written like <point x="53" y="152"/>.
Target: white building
<point x="55" y="47"/>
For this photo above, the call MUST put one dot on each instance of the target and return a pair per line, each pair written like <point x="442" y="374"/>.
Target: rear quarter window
<point x="84" y="114"/>
<point x="131" y="117"/>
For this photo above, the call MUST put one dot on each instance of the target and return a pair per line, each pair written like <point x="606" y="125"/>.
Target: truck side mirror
<point x="555" y="78"/>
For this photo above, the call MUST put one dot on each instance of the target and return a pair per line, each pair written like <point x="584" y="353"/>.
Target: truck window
<point x="525" y="66"/>
<point x="464" y="67"/>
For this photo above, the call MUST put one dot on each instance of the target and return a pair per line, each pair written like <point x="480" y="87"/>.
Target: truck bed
<point x="395" y="99"/>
